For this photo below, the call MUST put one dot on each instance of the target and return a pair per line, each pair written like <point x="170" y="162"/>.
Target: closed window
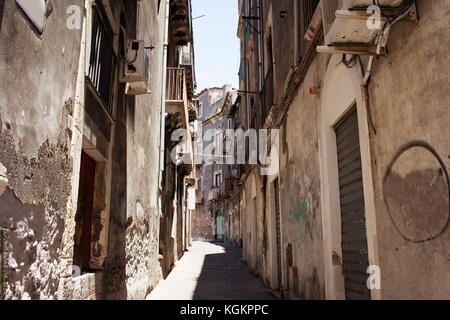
<point x="230" y="124"/>
<point x="218" y="143"/>
<point x="200" y="110"/>
<point x="35" y="10"/>
<point x="218" y="179"/>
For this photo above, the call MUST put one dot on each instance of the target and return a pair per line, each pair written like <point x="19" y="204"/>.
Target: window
<point x="218" y="143"/>
<point x="102" y="59"/>
<point x="35" y="10"/>
<point x="200" y="109"/>
<point x="218" y="179"/>
<point x="230" y="124"/>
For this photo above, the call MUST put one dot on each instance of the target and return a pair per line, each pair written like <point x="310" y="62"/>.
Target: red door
<point x="83" y="218"/>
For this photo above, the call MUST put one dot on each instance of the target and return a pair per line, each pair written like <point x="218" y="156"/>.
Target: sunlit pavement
<point x="210" y="271"/>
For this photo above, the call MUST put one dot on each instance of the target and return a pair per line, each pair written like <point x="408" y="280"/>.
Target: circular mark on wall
<point x="416" y="191"/>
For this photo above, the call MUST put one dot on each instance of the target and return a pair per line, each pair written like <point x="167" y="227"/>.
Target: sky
<point x="216" y="44"/>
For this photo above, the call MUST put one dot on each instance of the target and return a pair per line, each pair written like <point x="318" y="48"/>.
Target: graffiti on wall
<point x="299" y="224"/>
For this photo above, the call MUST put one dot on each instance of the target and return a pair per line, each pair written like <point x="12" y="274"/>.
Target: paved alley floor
<point x="210" y="271"/>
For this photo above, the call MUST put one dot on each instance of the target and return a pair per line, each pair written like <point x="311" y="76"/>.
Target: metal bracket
<point x="245" y="18"/>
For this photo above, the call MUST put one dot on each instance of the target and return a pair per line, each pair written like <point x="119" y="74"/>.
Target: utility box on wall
<point x="136" y="66"/>
<point x="136" y="69"/>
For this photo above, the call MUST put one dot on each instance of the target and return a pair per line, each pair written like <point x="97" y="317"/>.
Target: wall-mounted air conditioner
<point x="136" y="66"/>
<point x="345" y="26"/>
<point x="137" y="88"/>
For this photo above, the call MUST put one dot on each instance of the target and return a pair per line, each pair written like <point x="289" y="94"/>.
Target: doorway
<point x="83" y="218"/>
<point x="254" y="235"/>
<point x="219" y="225"/>
<point x="278" y="234"/>
<point x="353" y="221"/>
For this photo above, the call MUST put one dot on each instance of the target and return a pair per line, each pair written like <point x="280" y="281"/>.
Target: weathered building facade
<point x="83" y="97"/>
<point x="214" y="175"/>
<point x="363" y="148"/>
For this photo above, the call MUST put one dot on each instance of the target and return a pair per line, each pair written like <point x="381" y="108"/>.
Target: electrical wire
<point x="351" y="63"/>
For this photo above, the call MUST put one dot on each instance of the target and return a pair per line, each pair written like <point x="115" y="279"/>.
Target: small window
<point x="218" y="143"/>
<point x="218" y="179"/>
<point x="35" y="10"/>
<point x="230" y="124"/>
<point x="200" y="109"/>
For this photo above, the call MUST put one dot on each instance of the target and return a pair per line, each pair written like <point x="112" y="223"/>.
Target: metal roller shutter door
<point x="354" y="236"/>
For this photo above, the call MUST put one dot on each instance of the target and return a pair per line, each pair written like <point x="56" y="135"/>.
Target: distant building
<point x="214" y="176"/>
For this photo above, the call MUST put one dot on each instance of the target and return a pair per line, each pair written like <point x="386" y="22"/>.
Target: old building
<point x="363" y="183"/>
<point x="214" y="175"/>
<point x="91" y="205"/>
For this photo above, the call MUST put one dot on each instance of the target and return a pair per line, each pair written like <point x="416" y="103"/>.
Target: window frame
<point x="200" y="109"/>
<point x="218" y="174"/>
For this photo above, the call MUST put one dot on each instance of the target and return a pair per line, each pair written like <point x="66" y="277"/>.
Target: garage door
<point x="354" y="236"/>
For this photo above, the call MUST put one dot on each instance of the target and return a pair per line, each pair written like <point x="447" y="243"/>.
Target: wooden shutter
<point x="354" y="236"/>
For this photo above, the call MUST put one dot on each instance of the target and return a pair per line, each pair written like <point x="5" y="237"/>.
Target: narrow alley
<point x="210" y="271"/>
<point x="224" y="150"/>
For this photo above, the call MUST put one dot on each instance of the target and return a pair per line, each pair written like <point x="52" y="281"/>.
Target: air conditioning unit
<point x="136" y="66"/>
<point x="137" y="88"/>
<point x="343" y="26"/>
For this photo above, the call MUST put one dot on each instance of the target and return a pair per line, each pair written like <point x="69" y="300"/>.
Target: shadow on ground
<point x="225" y="277"/>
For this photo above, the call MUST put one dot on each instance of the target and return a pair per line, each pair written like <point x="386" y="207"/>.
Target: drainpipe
<point x="163" y="96"/>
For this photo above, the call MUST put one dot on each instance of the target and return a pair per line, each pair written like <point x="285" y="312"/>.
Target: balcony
<point x="177" y="104"/>
<point x="214" y="194"/>
<point x="175" y="89"/>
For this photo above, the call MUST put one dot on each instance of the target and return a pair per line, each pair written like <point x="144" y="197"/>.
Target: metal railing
<point x="102" y="60"/>
<point x="175" y="84"/>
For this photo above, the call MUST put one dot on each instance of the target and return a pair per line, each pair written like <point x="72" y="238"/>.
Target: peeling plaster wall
<point x="37" y="92"/>
<point x="410" y="155"/>
<point x="132" y="268"/>
<point x="300" y="190"/>
<point x="410" y="102"/>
